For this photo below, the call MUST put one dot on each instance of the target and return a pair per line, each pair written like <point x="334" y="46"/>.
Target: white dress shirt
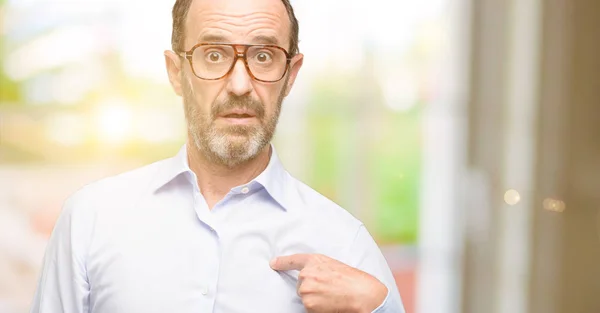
<point x="145" y="241"/>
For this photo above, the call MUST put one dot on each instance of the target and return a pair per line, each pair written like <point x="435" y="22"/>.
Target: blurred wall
<point x="534" y="130"/>
<point x="580" y="271"/>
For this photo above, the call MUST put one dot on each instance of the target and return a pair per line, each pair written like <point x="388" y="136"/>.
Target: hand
<point x="327" y="285"/>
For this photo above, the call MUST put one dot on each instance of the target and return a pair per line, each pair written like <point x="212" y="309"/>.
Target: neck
<point x="216" y="180"/>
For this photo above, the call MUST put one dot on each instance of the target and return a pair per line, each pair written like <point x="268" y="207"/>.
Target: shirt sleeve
<point x="366" y="256"/>
<point x="63" y="285"/>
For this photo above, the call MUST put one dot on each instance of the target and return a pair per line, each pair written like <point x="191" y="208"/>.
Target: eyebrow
<point x="265" y="40"/>
<point x="212" y="38"/>
<point x="260" y="39"/>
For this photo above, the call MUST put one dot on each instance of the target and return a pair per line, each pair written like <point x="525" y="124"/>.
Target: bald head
<point x="189" y="16"/>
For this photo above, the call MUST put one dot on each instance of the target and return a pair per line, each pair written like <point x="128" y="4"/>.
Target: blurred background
<point x="464" y="133"/>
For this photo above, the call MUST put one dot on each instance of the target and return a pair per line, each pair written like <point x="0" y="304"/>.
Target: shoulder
<point x="125" y="184"/>
<point x="81" y="210"/>
<point x="107" y="192"/>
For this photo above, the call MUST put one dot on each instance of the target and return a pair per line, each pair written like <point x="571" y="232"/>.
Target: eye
<point x="214" y="56"/>
<point x="263" y="57"/>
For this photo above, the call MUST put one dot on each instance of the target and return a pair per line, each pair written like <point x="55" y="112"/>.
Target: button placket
<point x="207" y="288"/>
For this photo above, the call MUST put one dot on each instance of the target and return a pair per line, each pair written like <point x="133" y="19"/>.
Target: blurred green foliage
<point x="366" y="156"/>
<point x="9" y="90"/>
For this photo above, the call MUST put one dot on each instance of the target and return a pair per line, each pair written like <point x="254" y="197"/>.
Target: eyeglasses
<point x="213" y="61"/>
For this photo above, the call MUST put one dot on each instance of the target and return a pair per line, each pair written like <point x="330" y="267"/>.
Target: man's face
<point x="232" y="119"/>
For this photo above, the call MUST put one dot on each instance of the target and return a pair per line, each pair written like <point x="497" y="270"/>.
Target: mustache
<point x="241" y="102"/>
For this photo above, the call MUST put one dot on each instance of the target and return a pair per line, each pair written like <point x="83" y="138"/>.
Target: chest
<point x="179" y="264"/>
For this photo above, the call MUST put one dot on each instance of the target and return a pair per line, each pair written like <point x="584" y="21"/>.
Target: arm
<point x="366" y="256"/>
<point x="63" y="284"/>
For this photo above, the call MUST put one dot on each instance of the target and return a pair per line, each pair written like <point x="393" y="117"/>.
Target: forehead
<point x="238" y="21"/>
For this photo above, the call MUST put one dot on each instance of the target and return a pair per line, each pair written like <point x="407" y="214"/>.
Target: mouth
<point x="238" y="117"/>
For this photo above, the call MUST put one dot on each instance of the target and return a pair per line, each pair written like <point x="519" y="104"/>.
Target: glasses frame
<point x="238" y="55"/>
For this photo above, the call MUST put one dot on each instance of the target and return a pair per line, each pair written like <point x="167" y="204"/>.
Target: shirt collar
<point x="274" y="179"/>
<point x="171" y="168"/>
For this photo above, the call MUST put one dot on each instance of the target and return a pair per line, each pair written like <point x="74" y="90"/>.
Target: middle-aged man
<point x="221" y="227"/>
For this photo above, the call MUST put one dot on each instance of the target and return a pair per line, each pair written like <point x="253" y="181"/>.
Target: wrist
<point x="372" y="300"/>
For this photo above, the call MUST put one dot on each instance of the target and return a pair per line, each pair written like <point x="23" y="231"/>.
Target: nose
<point x="239" y="81"/>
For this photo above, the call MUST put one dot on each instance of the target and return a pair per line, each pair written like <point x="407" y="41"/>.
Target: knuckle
<point x="309" y="275"/>
<point x="303" y="291"/>
<point x="309" y="303"/>
<point x="303" y="275"/>
<point x="320" y="278"/>
<point x="306" y="288"/>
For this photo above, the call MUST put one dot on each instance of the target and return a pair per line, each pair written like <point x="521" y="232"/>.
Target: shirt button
<point x="245" y="190"/>
<point x="204" y="290"/>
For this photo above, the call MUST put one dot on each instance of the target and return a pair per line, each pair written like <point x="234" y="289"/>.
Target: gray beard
<point x="233" y="145"/>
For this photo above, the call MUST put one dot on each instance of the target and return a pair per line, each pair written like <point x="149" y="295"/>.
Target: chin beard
<point x="232" y="146"/>
<point x="236" y="144"/>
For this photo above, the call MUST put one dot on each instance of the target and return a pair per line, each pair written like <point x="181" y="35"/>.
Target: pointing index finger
<point x="290" y="262"/>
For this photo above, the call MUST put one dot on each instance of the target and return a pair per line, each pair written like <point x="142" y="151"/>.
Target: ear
<point x="174" y="68"/>
<point x="295" y="66"/>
